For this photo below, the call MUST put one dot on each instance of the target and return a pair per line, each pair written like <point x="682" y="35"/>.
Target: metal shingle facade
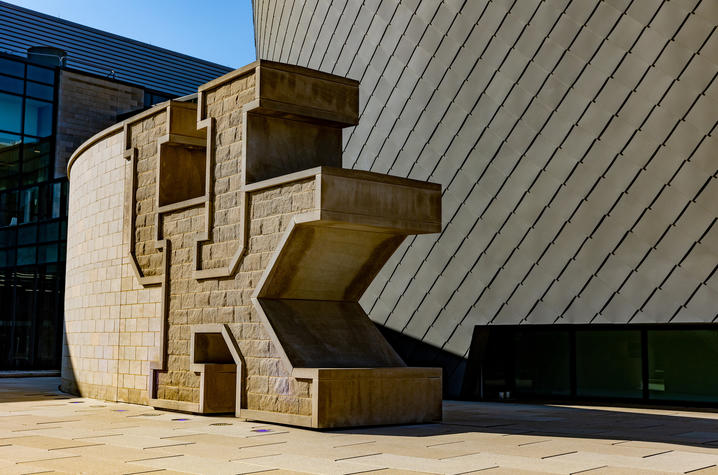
<point x="105" y="54"/>
<point x="575" y="141"/>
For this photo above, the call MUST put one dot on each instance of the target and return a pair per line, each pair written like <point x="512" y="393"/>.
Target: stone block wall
<point x="86" y="105"/>
<point x="227" y="301"/>
<point x="224" y="103"/>
<point x="144" y="136"/>
<point x="111" y="322"/>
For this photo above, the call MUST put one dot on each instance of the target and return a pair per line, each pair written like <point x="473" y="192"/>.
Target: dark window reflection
<point x="27" y="235"/>
<point x="40" y="74"/>
<point x="38" y="118"/>
<point x="10" y="113"/>
<point x="9" y="160"/>
<point x="8" y="208"/>
<point x="542" y="363"/>
<point x="36" y="161"/>
<point x="48" y="328"/>
<point x="13" y="68"/>
<point x="10" y="84"/>
<point x="40" y="91"/>
<point x="608" y="363"/>
<point x="26" y="255"/>
<point x="683" y="365"/>
<point x="29" y="205"/>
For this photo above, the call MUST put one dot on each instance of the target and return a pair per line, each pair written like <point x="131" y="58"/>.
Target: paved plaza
<point x="45" y="431"/>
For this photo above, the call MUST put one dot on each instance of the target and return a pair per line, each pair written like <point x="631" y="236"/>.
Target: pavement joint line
<point x="57" y="422"/>
<point x="458" y="456"/>
<point x="35" y="428"/>
<point x="267" y="435"/>
<point x="657" y="453"/>
<point x="154" y="458"/>
<point x="559" y="455"/>
<point x="589" y="470"/>
<point x="74" y="447"/>
<point x="479" y="470"/>
<point x="357" y="456"/>
<point x="168" y="445"/>
<point x="185" y="435"/>
<point x="95" y="436"/>
<point x="48" y="459"/>
<point x="146" y="471"/>
<point x="254" y="457"/>
<point x="356" y="443"/>
<point x="262" y="445"/>
<point x="534" y="442"/>
<point x="446" y="443"/>
<point x="261" y="471"/>
<point x="371" y="470"/>
<point x="702" y="468"/>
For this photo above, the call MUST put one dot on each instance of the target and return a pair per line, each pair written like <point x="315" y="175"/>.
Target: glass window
<point x="9" y="161"/>
<point x="38" y="118"/>
<point x="10" y="113"/>
<point x="28" y="205"/>
<point x="7" y="237"/>
<point x="14" y="68"/>
<point x="9" y="84"/>
<point x="542" y="362"/>
<point x="608" y="363"/>
<point x="56" y="200"/>
<point x="36" y="161"/>
<point x="25" y="255"/>
<point x="27" y="234"/>
<point x="49" y="311"/>
<point x="49" y="232"/>
<point x="47" y="253"/>
<point x="683" y="365"/>
<point x="8" y="209"/>
<point x="37" y="73"/>
<point x="7" y="259"/>
<point x="40" y="91"/>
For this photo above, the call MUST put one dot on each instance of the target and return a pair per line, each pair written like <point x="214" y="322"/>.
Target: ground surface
<point x="43" y="430"/>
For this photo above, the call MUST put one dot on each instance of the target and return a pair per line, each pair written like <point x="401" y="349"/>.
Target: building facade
<point x="52" y="99"/>
<point x="575" y="142"/>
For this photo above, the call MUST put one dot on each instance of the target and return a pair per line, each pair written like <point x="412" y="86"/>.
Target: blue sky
<point x="222" y="33"/>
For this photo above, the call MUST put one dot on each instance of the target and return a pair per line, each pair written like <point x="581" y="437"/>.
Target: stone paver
<point x="45" y="431"/>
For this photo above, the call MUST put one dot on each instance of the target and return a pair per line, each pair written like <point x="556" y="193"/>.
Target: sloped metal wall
<point x="575" y="141"/>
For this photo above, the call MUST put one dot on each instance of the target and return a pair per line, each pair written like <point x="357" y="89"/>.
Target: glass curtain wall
<point x="669" y="363"/>
<point x="33" y="219"/>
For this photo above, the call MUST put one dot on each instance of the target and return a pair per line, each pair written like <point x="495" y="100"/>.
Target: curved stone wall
<point x="111" y="322"/>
